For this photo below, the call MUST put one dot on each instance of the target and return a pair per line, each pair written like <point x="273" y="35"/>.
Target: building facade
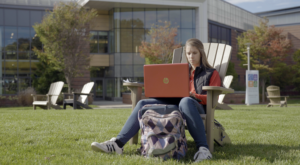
<point x="117" y="32"/>
<point x="288" y="20"/>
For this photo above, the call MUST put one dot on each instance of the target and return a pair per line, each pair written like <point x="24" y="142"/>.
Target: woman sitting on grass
<point x="201" y="74"/>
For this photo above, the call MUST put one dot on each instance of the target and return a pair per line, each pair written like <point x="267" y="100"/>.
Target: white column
<point x="202" y="22"/>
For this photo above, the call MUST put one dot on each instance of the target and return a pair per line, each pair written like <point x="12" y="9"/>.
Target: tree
<point x="231" y="70"/>
<point x="296" y="69"/>
<point x="162" y="43"/>
<point x="65" y="34"/>
<point x="269" y="48"/>
<point x="44" y="75"/>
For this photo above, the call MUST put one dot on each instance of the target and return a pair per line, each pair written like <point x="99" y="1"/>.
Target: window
<point x="219" y="34"/>
<point x="99" y="42"/>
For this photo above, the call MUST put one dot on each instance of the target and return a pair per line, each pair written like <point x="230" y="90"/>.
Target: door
<point x="99" y="90"/>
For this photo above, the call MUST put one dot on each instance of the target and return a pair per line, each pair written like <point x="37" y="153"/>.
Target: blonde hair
<point x="199" y="45"/>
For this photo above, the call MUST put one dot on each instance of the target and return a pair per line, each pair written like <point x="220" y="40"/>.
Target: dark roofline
<point x="277" y="10"/>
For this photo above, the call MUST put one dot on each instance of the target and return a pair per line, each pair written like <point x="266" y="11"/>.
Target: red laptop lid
<point x="166" y="80"/>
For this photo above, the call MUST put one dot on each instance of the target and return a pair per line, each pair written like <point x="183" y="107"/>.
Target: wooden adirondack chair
<point x="274" y="96"/>
<point x="52" y="96"/>
<point x="218" y="57"/>
<point x="82" y="100"/>
<point x="226" y="83"/>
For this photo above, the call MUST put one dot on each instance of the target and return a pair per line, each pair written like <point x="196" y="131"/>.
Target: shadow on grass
<point x="237" y="152"/>
<point x="266" y="152"/>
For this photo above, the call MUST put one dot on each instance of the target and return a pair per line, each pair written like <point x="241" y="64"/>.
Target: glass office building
<point x="114" y="44"/>
<point x="17" y="39"/>
<point x="128" y="27"/>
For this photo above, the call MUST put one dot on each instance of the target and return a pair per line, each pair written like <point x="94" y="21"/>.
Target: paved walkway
<point x="111" y="104"/>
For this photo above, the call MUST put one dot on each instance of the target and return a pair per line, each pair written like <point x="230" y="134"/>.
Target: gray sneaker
<point x="202" y="154"/>
<point x="108" y="146"/>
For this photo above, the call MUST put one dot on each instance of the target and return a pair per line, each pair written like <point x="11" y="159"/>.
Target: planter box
<point x="126" y="98"/>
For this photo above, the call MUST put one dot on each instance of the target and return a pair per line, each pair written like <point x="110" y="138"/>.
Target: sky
<point x="255" y="6"/>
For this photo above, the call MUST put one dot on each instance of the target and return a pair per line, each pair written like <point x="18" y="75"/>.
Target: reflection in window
<point x="103" y="42"/>
<point x="219" y="34"/>
<point x="126" y="58"/>
<point x="24" y="55"/>
<point x="35" y="17"/>
<point x="138" y="37"/>
<point x="1" y="17"/>
<point x="162" y="16"/>
<point x="126" y="18"/>
<point x="24" y="83"/>
<point x="97" y="72"/>
<point x="10" y="44"/>
<point x="10" y="85"/>
<point x="35" y="40"/>
<point x="150" y="17"/>
<point x="23" y="18"/>
<point x="138" y="70"/>
<point x="126" y="40"/>
<point x="138" y="18"/>
<point x="23" y="38"/>
<point x="33" y="55"/>
<point x="186" y="18"/>
<point x="24" y="68"/>
<point x="174" y="17"/>
<point x="17" y="39"/>
<point x="1" y="39"/>
<point x="11" y="68"/>
<point x="99" y="42"/>
<point x="94" y="42"/>
<point x="10" y="38"/>
<point x="10" y="17"/>
<point x="126" y="71"/>
<point x="186" y="34"/>
<point x="110" y="87"/>
<point x="11" y="55"/>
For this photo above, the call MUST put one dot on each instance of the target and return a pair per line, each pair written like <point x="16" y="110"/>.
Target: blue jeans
<point x="189" y="107"/>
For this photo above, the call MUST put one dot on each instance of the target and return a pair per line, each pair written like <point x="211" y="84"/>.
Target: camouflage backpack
<point x="162" y="131"/>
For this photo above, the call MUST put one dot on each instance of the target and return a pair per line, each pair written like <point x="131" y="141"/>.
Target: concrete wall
<point x="101" y="22"/>
<point x="99" y="60"/>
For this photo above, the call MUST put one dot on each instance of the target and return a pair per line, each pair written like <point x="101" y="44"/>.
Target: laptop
<point x="167" y="80"/>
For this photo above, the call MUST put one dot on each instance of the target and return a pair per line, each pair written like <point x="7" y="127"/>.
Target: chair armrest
<point x="77" y="93"/>
<point x="216" y="88"/>
<point x="51" y="95"/>
<point x="37" y="95"/>
<point x="130" y="84"/>
<point x="67" y="94"/>
<point x="275" y="97"/>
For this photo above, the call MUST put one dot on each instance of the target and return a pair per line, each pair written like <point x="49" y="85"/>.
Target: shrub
<point x="24" y="98"/>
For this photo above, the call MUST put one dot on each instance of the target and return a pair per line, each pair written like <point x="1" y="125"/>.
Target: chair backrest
<point x="55" y="89"/>
<point x="218" y="56"/>
<point x="85" y="89"/>
<point x="274" y="91"/>
<point x="226" y="83"/>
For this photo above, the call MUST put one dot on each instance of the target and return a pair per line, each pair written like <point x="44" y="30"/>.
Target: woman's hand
<point x="192" y="94"/>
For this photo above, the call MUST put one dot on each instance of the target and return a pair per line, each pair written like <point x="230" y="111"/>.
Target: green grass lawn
<point x="259" y="135"/>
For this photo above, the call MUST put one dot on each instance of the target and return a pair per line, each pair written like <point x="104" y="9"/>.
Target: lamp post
<point x="248" y="54"/>
<point x="248" y="64"/>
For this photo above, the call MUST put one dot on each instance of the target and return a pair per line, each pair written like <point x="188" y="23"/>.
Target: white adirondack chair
<point x="218" y="56"/>
<point x="82" y="100"/>
<point x="52" y="96"/>
<point x="226" y="83"/>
